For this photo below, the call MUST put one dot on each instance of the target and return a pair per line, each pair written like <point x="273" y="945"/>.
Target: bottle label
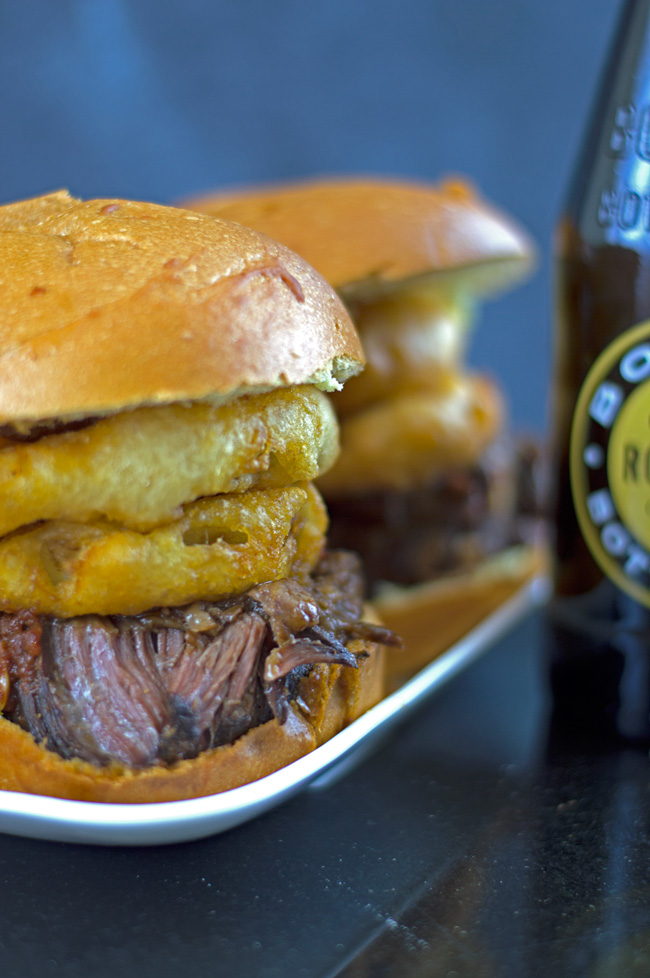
<point x="610" y="461"/>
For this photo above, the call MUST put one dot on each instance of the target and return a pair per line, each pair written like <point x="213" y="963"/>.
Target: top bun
<point x="367" y="236"/>
<point x="110" y="304"/>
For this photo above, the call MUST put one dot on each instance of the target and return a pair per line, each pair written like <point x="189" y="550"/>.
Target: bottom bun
<point x="430" y="617"/>
<point x="328" y="699"/>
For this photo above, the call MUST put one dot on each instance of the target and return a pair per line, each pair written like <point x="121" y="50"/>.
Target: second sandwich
<point x="429" y="486"/>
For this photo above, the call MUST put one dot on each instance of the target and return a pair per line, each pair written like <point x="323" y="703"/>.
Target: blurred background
<point x="158" y="99"/>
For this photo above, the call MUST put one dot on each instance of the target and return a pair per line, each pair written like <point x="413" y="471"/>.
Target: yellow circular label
<point x="628" y="463"/>
<point x="610" y="461"/>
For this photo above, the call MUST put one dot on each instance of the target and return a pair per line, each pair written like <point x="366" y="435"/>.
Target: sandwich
<point x="430" y="487"/>
<point x="172" y="623"/>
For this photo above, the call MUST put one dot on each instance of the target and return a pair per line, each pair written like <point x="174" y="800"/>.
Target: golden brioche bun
<point x="367" y="235"/>
<point x="328" y="699"/>
<point x="109" y="304"/>
<point x="431" y="617"/>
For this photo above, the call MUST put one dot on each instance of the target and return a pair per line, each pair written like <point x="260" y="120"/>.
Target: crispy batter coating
<point x="411" y="339"/>
<point x="139" y="467"/>
<point x="219" y="546"/>
<point x="406" y="440"/>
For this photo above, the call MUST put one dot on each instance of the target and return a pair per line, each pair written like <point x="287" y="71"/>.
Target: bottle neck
<point x="609" y="195"/>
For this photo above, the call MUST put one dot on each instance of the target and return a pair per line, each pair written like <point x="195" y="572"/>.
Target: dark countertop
<point x="476" y="842"/>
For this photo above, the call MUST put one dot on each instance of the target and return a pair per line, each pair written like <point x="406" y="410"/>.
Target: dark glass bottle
<point x="600" y="614"/>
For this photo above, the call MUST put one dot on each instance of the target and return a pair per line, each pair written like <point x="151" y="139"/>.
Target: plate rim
<point x="62" y="819"/>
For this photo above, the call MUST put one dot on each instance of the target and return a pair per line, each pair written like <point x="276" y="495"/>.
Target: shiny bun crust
<point x="366" y="235"/>
<point x="431" y="617"/>
<point x="109" y="304"/>
<point x="330" y="698"/>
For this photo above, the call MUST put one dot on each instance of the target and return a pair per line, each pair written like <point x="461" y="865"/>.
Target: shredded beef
<point x="449" y="525"/>
<point x="165" y="685"/>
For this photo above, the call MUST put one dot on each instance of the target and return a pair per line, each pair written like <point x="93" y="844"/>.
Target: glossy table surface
<point x="476" y="842"/>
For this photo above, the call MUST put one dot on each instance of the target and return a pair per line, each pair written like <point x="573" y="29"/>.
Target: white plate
<point x="60" y="820"/>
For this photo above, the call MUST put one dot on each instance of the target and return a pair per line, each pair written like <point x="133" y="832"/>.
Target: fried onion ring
<point x="220" y="546"/>
<point x="139" y="467"/>
<point x="408" y="439"/>
<point x="411" y="339"/>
